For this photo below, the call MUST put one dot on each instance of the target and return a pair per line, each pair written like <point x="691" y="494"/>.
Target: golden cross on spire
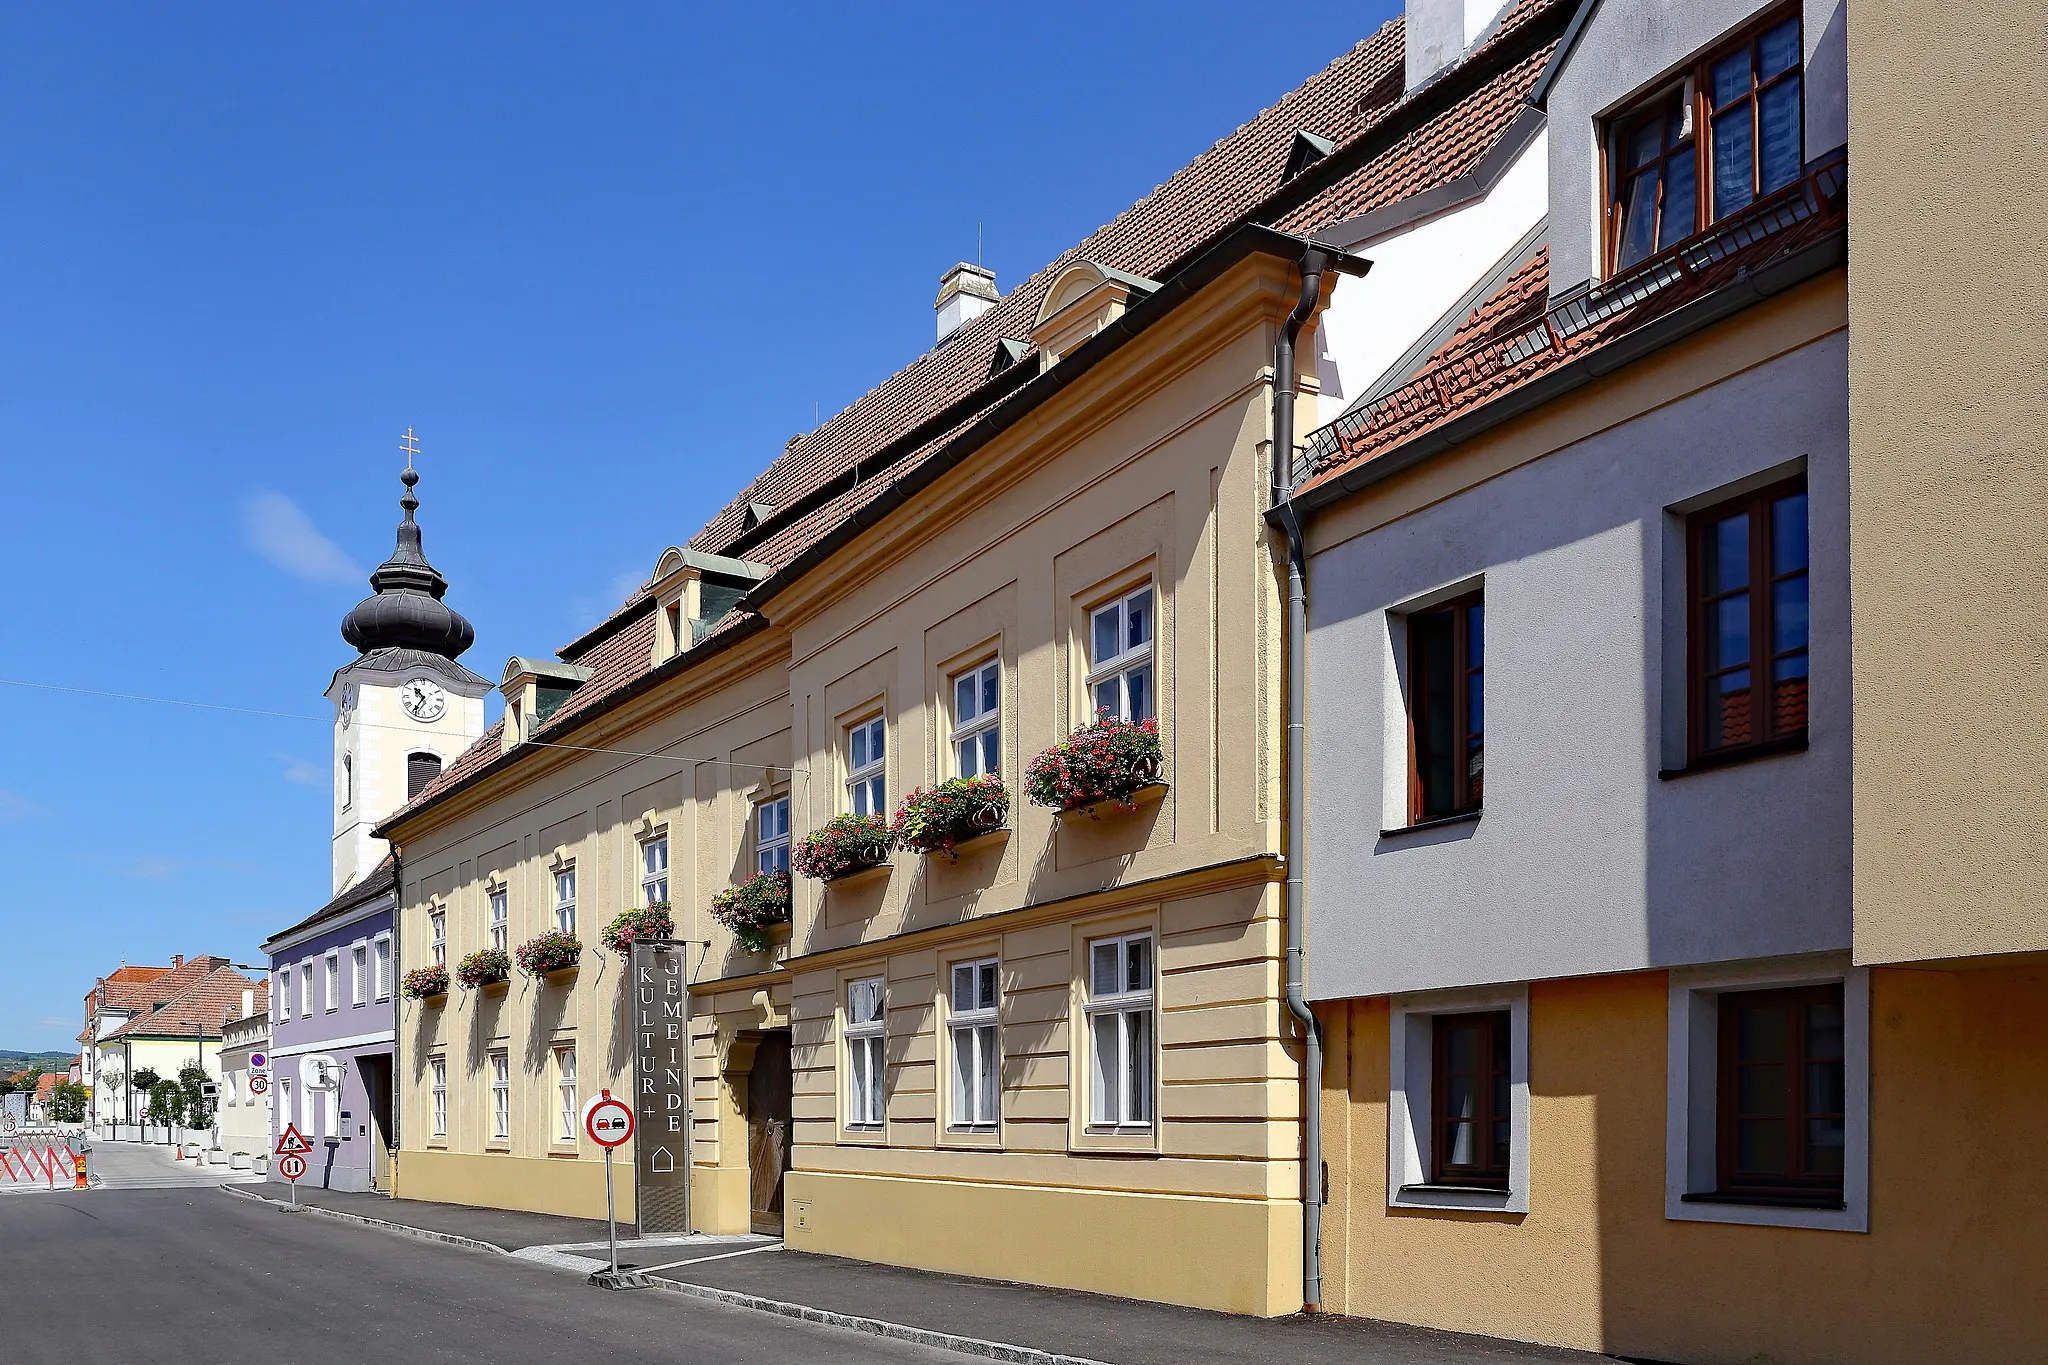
<point x="410" y="445"/>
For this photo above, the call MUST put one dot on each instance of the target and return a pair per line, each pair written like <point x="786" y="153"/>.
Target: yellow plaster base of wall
<point x="1238" y="1255"/>
<point x="720" y="1200"/>
<point x="574" y="1189"/>
<point x="1951" y="1268"/>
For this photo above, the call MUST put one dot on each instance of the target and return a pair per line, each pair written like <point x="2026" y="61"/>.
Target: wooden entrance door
<point x="768" y="1129"/>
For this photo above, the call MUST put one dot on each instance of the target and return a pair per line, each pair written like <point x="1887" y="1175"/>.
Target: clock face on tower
<point x="423" y="700"/>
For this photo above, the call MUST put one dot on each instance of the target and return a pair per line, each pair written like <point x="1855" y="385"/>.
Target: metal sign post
<point x="609" y="1123"/>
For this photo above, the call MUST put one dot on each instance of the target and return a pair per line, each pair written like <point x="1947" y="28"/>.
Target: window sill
<point x="1457" y="1197"/>
<point x="1470" y="817"/>
<point x="1786" y="744"/>
<point x="1768" y="1201"/>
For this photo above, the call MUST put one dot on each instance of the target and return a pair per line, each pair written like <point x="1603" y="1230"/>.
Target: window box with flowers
<point x="552" y="954"/>
<point x="939" y="820"/>
<point x="484" y="968"/>
<point x="425" y="983"/>
<point x="638" y="922"/>
<point x="754" y="909"/>
<point x="844" y="846"/>
<point x="1111" y="762"/>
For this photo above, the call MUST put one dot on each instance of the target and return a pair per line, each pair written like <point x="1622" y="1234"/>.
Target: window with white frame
<point x="1120" y="1031"/>
<point x="359" y="975"/>
<point x="440" y="1092"/>
<point x="654" y="870"/>
<point x="565" y="899"/>
<point x="284" y="1106"/>
<point x="1120" y="657"/>
<point x="381" y="956"/>
<point x="971" y="1023"/>
<point x="284" y="996"/>
<point x="1458" y="1100"/>
<point x="501" y="920"/>
<point x="866" y="1042"/>
<point x="331" y="1105"/>
<point x="438" y="926"/>
<point x="565" y="1093"/>
<point x="332" y="980"/>
<point x="978" y="721"/>
<point x="1767" y="1117"/>
<point x="501" y="1096"/>
<point x="867" y="768"/>
<point x="306" y="989"/>
<point x="771" y="836"/>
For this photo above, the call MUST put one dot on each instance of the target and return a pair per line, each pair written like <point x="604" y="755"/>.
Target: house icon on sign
<point x="661" y="1161"/>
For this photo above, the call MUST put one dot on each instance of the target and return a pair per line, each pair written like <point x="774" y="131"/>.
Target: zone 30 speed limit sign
<point x="609" y="1122"/>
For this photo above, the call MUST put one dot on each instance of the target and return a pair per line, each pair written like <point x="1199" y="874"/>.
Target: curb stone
<point x="424" y="1234"/>
<point x="874" y="1327"/>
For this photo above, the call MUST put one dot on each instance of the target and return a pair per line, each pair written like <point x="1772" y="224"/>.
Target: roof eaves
<point x="1245" y="240"/>
<point x="1582" y="14"/>
<point x="1626" y="348"/>
<point x="713" y="645"/>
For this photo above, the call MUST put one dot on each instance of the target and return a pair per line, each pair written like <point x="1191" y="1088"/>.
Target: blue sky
<point x="604" y="259"/>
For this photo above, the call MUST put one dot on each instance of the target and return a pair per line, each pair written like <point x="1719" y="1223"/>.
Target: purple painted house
<point x="333" y="977"/>
<point x="403" y="710"/>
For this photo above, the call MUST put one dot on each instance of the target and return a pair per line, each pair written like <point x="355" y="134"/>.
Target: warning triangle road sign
<point x="291" y="1144"/>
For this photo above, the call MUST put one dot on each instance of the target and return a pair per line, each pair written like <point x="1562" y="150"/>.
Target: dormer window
<point x="534" y="690"/>
<point x="1084" y="299"/>
<point x="1731" y="131"/>
<point x="693" y="591"/>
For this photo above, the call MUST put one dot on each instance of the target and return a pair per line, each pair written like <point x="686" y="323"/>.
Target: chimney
<point x="1440" y="32"/>
<point x="177" y="961"/>
<point x="248" y="1003"/>
<point x="965" y="293"/>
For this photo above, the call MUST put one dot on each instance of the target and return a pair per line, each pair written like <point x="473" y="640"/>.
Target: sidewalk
<point x="505" y="1229"/>
<point x="1050" y="1324"/>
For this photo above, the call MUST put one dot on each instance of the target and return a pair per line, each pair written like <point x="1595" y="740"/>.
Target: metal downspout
<point x="1313" y="263"/>
<point x="397" y="975"/>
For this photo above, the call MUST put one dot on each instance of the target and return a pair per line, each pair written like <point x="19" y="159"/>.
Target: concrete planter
<point x="238" y="1161"/>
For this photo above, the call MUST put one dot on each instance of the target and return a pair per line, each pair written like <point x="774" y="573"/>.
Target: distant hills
<point x="11" y="1062"/>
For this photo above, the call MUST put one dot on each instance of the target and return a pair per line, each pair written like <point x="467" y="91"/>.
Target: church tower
<point x="404" y="709"/>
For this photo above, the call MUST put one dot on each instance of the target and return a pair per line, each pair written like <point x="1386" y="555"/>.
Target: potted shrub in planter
<point x="484" y="967"/>
<point x="636" y="922"/>
<point x="753" y="909"/>
<point x="842" y="846"/>
<point x="425" y="983"/>
<point x="552" y="952"/>
<point x="1108" y="761"/>
<point x="939" y="819"/>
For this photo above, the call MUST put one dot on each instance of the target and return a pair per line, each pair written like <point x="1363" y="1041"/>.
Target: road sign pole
<point x="611" y="1213"/>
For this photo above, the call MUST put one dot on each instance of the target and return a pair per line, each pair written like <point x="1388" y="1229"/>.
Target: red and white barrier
<point x="37" y="1159"/>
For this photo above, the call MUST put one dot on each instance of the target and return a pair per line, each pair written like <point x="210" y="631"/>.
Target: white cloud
<point x="276" y="529"/>
<point x="15" y="806"/>
<point x="302" y="770"/>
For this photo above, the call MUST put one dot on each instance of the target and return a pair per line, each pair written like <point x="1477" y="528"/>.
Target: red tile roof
<point x="196" y="1012"/>
<point x="1513" y="338"/>
<point x="1357" y="102"/>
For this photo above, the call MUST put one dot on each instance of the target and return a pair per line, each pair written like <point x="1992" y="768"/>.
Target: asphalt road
<point x="199" y="1276"/>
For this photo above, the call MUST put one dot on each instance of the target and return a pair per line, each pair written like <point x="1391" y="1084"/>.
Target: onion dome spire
<point x="406" y="611"/>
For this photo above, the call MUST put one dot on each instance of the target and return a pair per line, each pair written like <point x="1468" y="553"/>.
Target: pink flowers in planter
<point x="636" y="922"/>
<point x="843" y="845"/>
<point x="754" y="907"/>
<point x="553" y="951"/>
<point x="1111" y="760"/>
<point x="936" y="819"/>
<point x="424" y="983"/>
<point x="484" y="967"/>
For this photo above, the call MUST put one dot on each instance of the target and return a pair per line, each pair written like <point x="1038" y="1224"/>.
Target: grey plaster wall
<point x="1584" y="860"/>
<point x="1625" y="49"/>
